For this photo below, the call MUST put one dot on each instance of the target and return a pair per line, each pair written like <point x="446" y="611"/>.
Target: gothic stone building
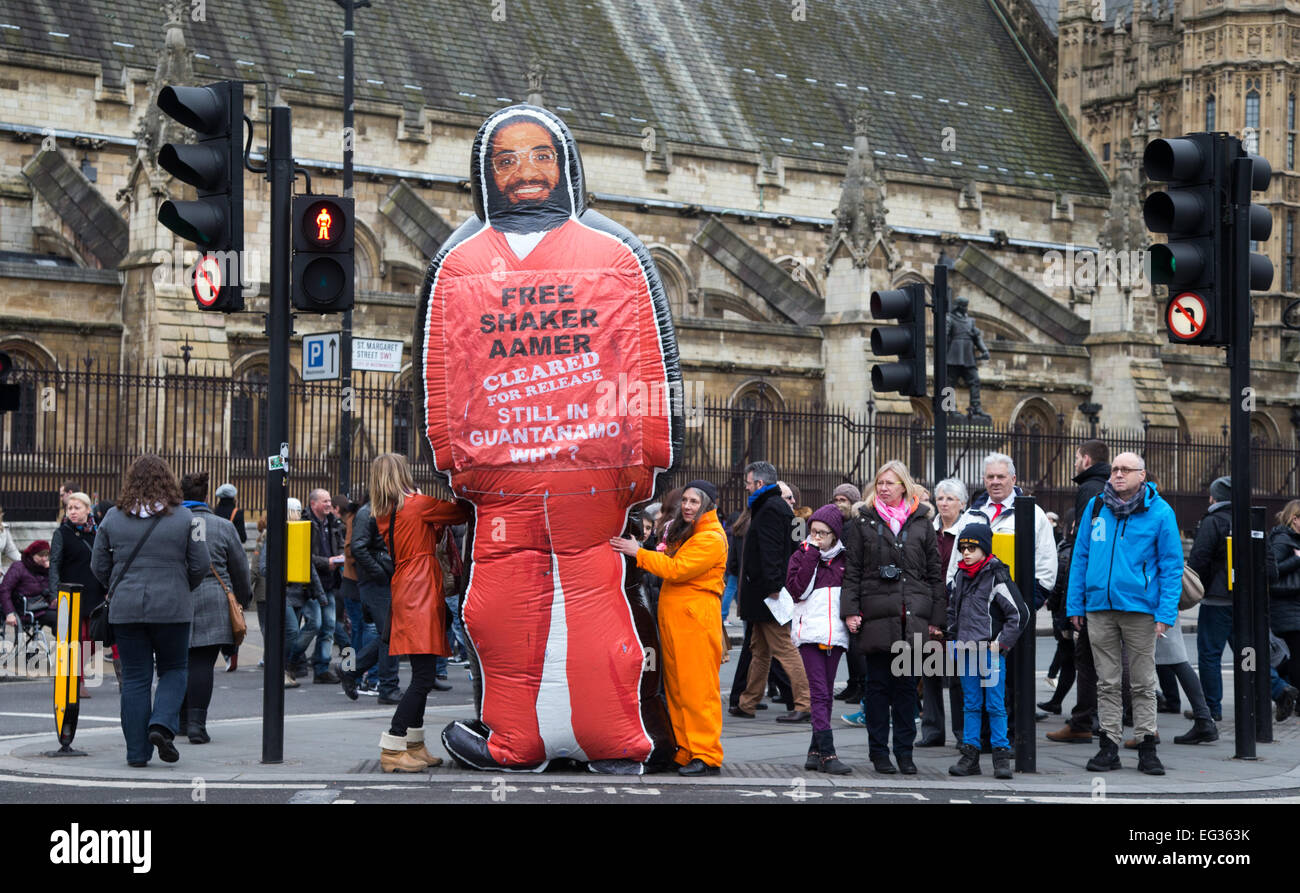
<point x="781" y="161"/>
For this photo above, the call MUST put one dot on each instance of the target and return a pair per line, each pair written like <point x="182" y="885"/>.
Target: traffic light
<point x="214" y="166"/>
<point x="1190" y="212"/>
<point x="323" y="238"/>
<point x="1259" y="222"/>
<point x="10" y="394"/>
<point x="905" y="340"/>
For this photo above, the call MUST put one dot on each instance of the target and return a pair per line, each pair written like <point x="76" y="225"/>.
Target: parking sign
<point x="320" y="356"/>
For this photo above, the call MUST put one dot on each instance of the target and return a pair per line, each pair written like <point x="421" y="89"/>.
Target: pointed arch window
<point x="1209" y="113"/>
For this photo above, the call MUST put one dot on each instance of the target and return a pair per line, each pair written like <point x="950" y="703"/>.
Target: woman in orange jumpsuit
<point x="411" y="524"/>
<point x="692" y="568"/>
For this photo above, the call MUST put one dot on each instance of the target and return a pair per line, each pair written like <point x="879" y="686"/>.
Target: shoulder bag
<point x="238" y="626"/>
<point x="97" y="625"/>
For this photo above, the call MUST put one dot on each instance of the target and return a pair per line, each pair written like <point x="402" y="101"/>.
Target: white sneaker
<point x="1051" y="683"/>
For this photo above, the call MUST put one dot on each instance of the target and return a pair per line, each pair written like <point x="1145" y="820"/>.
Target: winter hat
<point x="227" y="491"/>
<point x="980" y="535"/>
<point x="852" y="492"/>
<point x="294" y="505"/>
<point x="36" y="548"/>
<point x="1221" y="489"/>
<point x="706" y="488"/>
<point x="831" y="517"/>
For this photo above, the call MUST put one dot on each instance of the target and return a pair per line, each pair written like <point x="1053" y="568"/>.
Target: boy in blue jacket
<point x="986" y="616"/>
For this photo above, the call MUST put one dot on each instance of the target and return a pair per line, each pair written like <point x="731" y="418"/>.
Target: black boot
<point x="1107" y="757"/>
<point x="196" y="726"/>
<point x="1148" y="762"/>
<point x="969" y="764"/>
<point x="814" y="761"/>
<point x="1203" y="730"/>
<point x="829" y="762"/>
<point x="1002" y="762"/>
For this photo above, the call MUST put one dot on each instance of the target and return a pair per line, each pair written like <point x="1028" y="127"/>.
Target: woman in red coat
<point x="411" y="524"/>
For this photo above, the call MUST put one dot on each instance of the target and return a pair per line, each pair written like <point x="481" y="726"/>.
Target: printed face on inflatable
<point x="548" y="358"/>
<point x="525" y="163"/>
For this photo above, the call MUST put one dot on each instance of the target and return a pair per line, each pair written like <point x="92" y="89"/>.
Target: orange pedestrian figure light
<point x="323" y="221"/>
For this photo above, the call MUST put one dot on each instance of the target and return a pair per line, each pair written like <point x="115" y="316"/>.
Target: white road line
<point x="159" y="785"/>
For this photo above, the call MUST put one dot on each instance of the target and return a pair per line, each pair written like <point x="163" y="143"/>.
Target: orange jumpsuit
<point x="690" y="617"/>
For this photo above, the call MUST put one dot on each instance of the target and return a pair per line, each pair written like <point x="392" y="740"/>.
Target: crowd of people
<point x="874" y="577"/>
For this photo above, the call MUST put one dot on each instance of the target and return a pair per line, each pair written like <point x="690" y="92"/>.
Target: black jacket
<point x="765" y="554"/>
<point x="1092" y="480"/>
<point x="70" y="552"/>
<point x="1282" y="543"/>
<point x="917" y="593"/>
<point x="327" y="541"/>
<point x="1209" y="555"/>
<point x="374" y="565"/>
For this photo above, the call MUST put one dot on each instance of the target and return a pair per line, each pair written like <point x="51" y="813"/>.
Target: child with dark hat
<point x="986" y="615"/>
<point x="813" y="579"/>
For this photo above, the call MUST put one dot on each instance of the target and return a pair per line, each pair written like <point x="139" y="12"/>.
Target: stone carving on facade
<point x="536" y="73"/>
<point x="156" y="129"/>
<point x="1153" y="118"/>
<point x="860" y="216"/>
<point x="1123" y="229"/>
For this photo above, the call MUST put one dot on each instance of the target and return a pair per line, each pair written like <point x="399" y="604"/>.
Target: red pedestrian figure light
<point x="323" y="221"/>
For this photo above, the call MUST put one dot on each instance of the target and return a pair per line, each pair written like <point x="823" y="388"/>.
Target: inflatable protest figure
<point x="549" y="370"/>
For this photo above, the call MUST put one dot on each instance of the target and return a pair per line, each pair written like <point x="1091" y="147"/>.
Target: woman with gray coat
<point x="210" y="630"/>
<point x="150" y="605"/>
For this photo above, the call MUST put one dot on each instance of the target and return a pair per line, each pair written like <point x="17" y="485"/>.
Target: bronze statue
<point x="964" y="340"/>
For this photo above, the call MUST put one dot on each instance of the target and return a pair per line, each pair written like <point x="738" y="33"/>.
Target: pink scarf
<point x="894" y="516"/>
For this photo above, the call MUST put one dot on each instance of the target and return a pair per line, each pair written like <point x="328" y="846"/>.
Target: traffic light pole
<point x="1263" y="680"/>
<point x="940" y="301"/>
<point x="280" y="172"/>
<point x="345" y="346"/>
<point x="1247" y="656"/>
<point x="1024" y="657"/>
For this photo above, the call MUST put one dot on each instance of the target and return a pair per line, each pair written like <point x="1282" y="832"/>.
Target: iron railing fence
<point x="84" y="423"/>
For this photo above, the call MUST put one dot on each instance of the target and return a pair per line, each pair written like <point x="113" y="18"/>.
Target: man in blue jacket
<point x="1126" y="576"/>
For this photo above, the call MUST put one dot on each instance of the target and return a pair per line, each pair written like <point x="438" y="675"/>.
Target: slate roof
<point x="727" y="73"/>
<point x="1050" y="10"/>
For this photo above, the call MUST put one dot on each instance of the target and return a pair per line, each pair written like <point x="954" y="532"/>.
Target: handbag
<point x="97" y="625"/>
<point x="238" y="626"/>
<point x="1193" y="589"/>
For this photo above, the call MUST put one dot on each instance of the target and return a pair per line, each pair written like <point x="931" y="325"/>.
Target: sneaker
<point x="371" y="689"/>
<point x="289" y="681"/>
<point x="1051" y="682"/>
<point x="393" y="697"/>
<point x="855" y="719"/>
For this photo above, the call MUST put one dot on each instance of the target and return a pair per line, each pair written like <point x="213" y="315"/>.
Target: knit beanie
<point x="706" y="488"/>
<point x="852" y="492"/>
<point x="831" y="517"/>
<point x="980" y="535"/>
<point x="1221" y="489"/>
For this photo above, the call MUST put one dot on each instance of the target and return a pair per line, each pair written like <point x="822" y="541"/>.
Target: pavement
<point x="331" y="753"/>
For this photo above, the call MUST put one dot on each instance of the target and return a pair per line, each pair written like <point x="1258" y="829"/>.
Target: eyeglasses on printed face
<point x="505" y="162"/>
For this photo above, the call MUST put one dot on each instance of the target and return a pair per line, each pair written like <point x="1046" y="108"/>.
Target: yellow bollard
<point x="67" y="669"/>
<point x="297" y="565"/>
<point x="1004" y="547"/>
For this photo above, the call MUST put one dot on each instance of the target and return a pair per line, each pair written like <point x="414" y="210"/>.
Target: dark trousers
<point x="776" y="676"/>
<point x="889" y="696"/>
<point x="1191" y="683"/>
<point x="410" y="710"/>
<point x="378" y="601"/>
<point x="857" y="663"/>
<point x="141" y="647"/>
<point x="1292" y="639"/>
<point x="1085" y="684"/>
<point x="1168" y="680"/>
<point x="1063" y="661"/>
<point x="198" y="690"/>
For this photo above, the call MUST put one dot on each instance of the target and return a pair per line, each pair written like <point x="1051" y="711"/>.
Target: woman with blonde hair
<point x="1284" y="592"/>
<point x="893" y="591"/>
<point x="412" y="523"/>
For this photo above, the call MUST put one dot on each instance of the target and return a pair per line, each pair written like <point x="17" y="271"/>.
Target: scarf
<point x="759" y="492"/>
<point x="971" y="570"/>
<point x="194" y="503"/>
<point x="1122" y="507"/>
<point x="829" y="554"/>
<point x="893" y="516"/>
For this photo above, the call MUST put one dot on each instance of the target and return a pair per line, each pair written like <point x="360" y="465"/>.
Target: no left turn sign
<point x="207" y="281"/>
<point x="1187" y="315"/>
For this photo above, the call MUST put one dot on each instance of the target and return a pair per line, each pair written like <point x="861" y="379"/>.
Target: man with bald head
<point x="1126" y="576"/>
